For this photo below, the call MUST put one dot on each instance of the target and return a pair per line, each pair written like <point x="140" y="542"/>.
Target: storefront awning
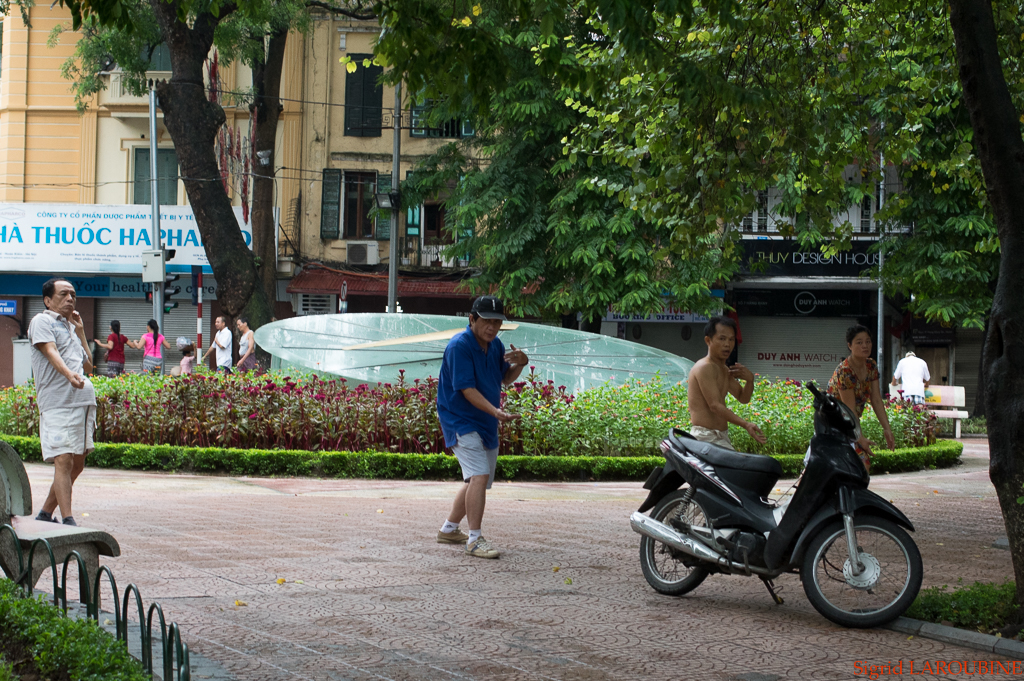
<point x="360" y="284"/>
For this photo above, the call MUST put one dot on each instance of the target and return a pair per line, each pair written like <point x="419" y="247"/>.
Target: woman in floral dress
<point x="855" y="382"/>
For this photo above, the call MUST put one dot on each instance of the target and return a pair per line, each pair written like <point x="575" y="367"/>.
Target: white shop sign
<point x="668" y="313"/>
<point x="83" y="238"/>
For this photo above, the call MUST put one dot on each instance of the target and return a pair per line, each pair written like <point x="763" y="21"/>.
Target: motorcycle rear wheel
<point x="663" y="567"/>
<point x="886" y="588"/>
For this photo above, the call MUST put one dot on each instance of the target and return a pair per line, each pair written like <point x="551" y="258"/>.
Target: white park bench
<point x="944" y="400"/>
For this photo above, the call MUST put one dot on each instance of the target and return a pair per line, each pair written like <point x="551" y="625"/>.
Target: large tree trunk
<point x="997" y="140"/>
<point x="266" y="80"/>
<point x="193" y="122"/>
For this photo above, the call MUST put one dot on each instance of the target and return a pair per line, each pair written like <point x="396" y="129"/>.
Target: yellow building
<point x="347" y="145"/>
<point x="55" y="157"/>
<point x="334" y="152"/>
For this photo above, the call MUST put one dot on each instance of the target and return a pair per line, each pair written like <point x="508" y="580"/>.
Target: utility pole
<point x="882" y="341"/>
<point x="154" y="195"/>
<point x="396" y="153"/>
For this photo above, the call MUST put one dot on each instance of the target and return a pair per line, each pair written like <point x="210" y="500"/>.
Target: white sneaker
<point x="481" y="548"/>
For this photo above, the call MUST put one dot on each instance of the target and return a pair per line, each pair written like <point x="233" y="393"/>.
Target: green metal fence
<point x="174" y="651"/>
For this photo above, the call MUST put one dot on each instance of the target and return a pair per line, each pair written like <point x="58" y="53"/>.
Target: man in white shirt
<point x="222" y="341"/>
<point x="913" y="371"/>
<point x="61" y="360"/>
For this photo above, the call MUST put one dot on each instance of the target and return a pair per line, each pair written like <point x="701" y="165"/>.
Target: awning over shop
<point x="315" y="280"/>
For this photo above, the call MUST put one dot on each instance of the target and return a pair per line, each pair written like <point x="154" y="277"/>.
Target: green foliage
<point x="239" y="36"/>
<point x="279" y="411"/>
<point x="547" y="237"/>
<point x="7" y="671"/>
<point x="61" y="647"/>
<point x="633" y="418"/>
<point x="978" y="607"/>
<point x="389" y="465"/>
<point x="976" y="425"/>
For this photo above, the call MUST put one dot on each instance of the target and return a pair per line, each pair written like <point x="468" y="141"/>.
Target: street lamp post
<point x="396" y="203"/>
<point x="158" y="287"/>
<point x="392" y="201"/>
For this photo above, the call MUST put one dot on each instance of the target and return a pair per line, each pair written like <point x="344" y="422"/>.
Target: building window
<point x="865" y="215"/>
<point x="759" y="217"/>
<point x="166" y="172"/>
<point x="159" y="59"/>
<point x="364" y="99"/>
<point x="359" y="191"/>
<point x="453" y="128"/>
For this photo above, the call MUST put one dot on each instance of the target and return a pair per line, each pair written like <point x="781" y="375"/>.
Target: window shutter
<point x="354" y="100"/>
<point x="383" y="216"/>
<point x="167" y="171"/>
<point x="364" y="99"/>
<point x="140" y="193"/>
<point x="330" y="204"/>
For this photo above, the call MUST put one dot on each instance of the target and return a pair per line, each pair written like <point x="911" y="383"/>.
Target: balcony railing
<point x="413" y="252"/>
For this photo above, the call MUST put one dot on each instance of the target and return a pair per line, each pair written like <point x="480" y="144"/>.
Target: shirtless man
<point x="710" y="381"/>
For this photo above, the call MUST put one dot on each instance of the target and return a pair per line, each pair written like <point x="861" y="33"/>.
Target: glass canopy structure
<point x="371" y="348"/>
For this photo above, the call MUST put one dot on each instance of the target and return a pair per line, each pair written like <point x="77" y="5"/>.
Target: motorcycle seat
<point x="726" y="458"/>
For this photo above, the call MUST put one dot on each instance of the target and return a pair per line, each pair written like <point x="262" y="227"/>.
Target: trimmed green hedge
<point x="57" y="647"/>
<point x="277" y="462"/>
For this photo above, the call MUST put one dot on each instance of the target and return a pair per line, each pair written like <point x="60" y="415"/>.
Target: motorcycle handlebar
<point x="825" y="400"/>
<point x="814" y="389"/>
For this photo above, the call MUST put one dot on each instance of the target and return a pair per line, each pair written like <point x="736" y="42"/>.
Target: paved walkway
<point x="379" y="599"/>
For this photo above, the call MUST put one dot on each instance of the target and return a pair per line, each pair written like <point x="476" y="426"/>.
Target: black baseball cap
<point x="489" y="307"/>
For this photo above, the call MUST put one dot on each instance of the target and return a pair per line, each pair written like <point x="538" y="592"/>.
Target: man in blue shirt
<point x="473" y="371"/>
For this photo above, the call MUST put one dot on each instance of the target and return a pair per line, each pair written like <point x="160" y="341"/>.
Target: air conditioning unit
<point x="363" y="252"/>
<point x="314" y="303"/>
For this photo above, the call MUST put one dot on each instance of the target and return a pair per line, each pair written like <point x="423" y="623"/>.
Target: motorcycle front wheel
<point x="884" y="588"/>
<point x="668" y="570"/>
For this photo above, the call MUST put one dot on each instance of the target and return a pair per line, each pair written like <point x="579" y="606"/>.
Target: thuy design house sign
<point x="783" y="257"/>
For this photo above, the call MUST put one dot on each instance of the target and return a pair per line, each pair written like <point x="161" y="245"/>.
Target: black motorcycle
<point x="858" y="565"/>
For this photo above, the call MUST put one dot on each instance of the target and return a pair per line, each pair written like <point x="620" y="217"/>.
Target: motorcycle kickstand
<point x="770" y="585"/>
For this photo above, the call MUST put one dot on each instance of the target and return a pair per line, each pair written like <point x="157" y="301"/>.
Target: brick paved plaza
<point x="381" y="600"/>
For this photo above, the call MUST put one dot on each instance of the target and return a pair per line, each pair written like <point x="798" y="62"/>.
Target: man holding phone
<point x="67" y="402"/>
<point x="474" y="369"/>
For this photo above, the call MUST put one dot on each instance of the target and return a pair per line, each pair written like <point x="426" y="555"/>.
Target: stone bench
<point x="16" y="510"/>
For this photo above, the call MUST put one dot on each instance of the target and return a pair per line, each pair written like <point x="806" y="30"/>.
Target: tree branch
<point x="335" y="9"/>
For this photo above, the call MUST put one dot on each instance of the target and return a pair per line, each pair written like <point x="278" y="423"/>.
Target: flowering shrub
<point x="307" y="412"/>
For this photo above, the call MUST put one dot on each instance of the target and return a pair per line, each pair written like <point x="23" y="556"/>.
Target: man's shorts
<point x="719" y="438"/>
<point x="915" y="399"/>
<point x="474" y="458"/>
<point x="66" y="431"/>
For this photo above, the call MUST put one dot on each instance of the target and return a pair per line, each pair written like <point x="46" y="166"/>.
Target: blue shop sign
<point x="8" y="308"/>
<point x="95" y="287"/>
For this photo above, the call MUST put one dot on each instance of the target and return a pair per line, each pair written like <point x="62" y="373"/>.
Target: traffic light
<point x="170" y="290"/>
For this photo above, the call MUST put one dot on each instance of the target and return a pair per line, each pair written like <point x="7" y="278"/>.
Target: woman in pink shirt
<point x="151" y="344"/>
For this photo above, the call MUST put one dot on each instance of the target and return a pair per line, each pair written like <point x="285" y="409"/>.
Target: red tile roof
<point x="326" y="281"/>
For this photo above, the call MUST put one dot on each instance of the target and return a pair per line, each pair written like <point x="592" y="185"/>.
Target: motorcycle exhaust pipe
<point x="658" y="531"/>
<point x="649" y="527"/>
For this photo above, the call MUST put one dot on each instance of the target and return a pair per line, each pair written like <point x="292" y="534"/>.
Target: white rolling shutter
<point x="800" y="348"/>
<point x="134" y="314"/>
<point x="33" y="306"/>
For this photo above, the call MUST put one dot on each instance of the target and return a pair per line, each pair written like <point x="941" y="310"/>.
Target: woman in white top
<point x="246" y="345"/>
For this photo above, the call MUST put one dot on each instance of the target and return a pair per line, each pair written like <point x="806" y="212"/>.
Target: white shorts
<point x="719" y="438"/>
<point x="474" y="458"/>
<point x="66" y="431"/>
